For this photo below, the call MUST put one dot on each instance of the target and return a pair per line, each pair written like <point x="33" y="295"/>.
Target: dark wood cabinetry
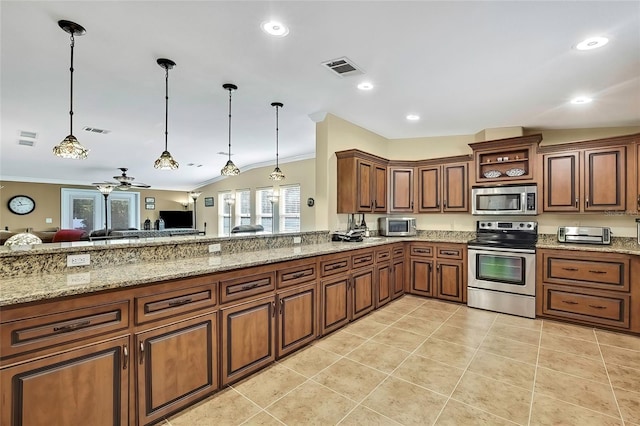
<point x="398" y="271"/>
<point x="438" y="271"/>
<point x="444" y="187"/>
<point x="401" y="189"/>
<point x="383" y="276"/>
<point x="362" y="182"/>
<point x="506" y="160"/>
<point x="297" y="318"/>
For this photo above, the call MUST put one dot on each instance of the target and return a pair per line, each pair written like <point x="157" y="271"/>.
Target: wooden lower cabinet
<point x="297" y="318"/>
<point x="398" y="275"/>
<point x="384" y="280"/>
<point x="176" y="365"/>
<point x="439" y="271"/>
<point x="450" y="282"/>
<point x="88" y="385"/>
<point x="363" y="291"/>
<point x="421" y="277"/>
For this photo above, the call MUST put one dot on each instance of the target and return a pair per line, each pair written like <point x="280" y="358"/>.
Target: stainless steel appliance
<point x="505" y="200"/>
<point x="502" y="267"/>
<point x="584" y="234"/>
<point x="397" y="226"/>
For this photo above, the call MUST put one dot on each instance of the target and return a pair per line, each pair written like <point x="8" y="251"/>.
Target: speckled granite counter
<point x="618" y="245"/>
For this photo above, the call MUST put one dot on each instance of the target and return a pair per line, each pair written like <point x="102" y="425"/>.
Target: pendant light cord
<point x="277" y="129"/>
<point x="71" y="91"/>
<point x="230" y="90"/>
<point x="166" y="107"/>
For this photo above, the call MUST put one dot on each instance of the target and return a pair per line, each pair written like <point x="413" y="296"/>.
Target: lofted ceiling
<point x="461" y="66"/>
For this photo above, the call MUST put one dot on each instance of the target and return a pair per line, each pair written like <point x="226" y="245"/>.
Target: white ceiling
<point x="462" y="66"/>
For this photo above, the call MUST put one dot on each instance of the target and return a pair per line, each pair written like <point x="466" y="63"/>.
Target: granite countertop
<point x="618" y="245"/>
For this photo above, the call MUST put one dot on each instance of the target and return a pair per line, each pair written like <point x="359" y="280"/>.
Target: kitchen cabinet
<point x="86" y="385"/>
<point x="297" y="318"/>
<point x="362" y="182"/>
<point x="506" y="160"/>
<point x="444" y="187"/>
<point x="401" y="189"/>
<point x="421" y="270"/>
<point x="398" y="270"/>
<point x="383" y="276"/>
<point x="438" y="270"/>
<point x="637" y="194"/>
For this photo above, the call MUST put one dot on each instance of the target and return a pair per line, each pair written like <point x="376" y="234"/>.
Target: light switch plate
<point x="78" y="260"/>
<point x="48" y="220"/>
<point x="214" y="248"/>
<point x="297" y="240"/>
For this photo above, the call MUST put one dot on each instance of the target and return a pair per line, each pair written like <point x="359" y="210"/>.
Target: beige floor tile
<point x="510" y="349"/>
<point x="226" y="408"/>
<point x="340" y="342"/>
<point x="379" y="356"/>
<point x="519" y="334"/>
<point x="569" y="345"/>
<point x="269" y="385"/>
<point x="629" y="403"/>
<point x="350" y="379"/>
<point x="446" y="352"/>
<point x="515" y="321"/>
<point x="310" y="361"/>
<point x="423" y="327"/>
<point x="458" y="414"/>
<point x="569" y="330"/>
<point x="441" y="305"/>
<point x="311" y="404"/>
<point x="585" y="393"/>
<point x="410" y="300"/>
<point x="478" y="315"/>
<point x="430" y="374"/>
<point x="365" y="328"/>
<point x="587" y="368"/>
<point x="428" y="313"/>
<point x="470" y="323"/>
<point x="405" y="403"/>
<point x="503" y="369"/>
<point x="624" y="341"/>
<point x="362" y="416"/>
<point x="383" y="317"/>
<point x="462" y="336"/>
<point x="624" y="357"/>
<point x="624" y="377"/>
<point x="262" y="419"/>
<point x="499" y="398"/>
<point x="399" y="338"/>
<point x="549" y="411"/>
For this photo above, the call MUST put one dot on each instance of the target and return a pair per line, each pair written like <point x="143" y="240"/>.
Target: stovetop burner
<point x="503" y="234"/>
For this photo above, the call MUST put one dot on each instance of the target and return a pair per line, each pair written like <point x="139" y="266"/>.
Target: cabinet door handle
<point x="638" y="200"/>
<point x="438" y="268"/>
<point x="70" y="327"/>
<point x="586" y="203"/>
<point x="569" y="302"/>
<point x="125" y="357"/>
<point x="281" y="306"/>
<point x="576" y="203"/>
<point x="273" y="309"/>
<point x="412" y="205"/>
<point x="597" y="307"/>
<point x="597" y="272"/>
<point x="445" y="204"/>
<point x="180" y="302"/>
<point x="141" y="352"/>
<point x="570" y="269"/>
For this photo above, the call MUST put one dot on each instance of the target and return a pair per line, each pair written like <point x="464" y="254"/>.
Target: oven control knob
<point x="528" y="225"/>
<point x="521" y="225"/>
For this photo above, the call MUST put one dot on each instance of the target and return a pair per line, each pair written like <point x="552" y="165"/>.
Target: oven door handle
<point x="500" y="250"/>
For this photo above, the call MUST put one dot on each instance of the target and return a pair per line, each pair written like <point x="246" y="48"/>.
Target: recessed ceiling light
<point x="365" y="85"/>
<point x="413" y="117"/>
<point x="581" y="100"/>
<point x="592" y="43"/>
<point x="274" y="28"/>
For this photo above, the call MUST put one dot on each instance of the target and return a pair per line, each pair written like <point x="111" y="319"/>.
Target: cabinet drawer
<point x="296" y="273"/>
<point x="421" y="250"/>
<point x="608" y="275"/>
<point x="245" y="286"/>
<point x="335" y="265"/>
<point x="398" y="251"/>
<point x="362" y="259"/>
<point x="158" y="306"/>
<point x="383" y="255"/>
<point x="594" y="307"/>
<point x="40" y="332"/>
<point x="450" y="253"/>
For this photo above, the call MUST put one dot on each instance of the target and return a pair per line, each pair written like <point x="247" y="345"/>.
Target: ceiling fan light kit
<point x="277" y="174"/>
<point x="70" y="147"/>
<point x="166" y="161"/>
<point x="230" y="169"/>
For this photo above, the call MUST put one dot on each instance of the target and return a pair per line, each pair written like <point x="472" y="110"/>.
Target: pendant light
<point x="277" y="174"/>
<point x="230" y="169"/>
<point x="70" y="147"/>
<point x="166" y="161"/>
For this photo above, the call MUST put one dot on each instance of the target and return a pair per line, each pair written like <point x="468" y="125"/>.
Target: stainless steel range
<point x="502" y="267"/>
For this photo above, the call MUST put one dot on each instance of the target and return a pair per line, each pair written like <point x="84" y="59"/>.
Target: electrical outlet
<point x="79" y="279"/>
<point x="78" y="259"/>
<point x="297" y="240"/>
<point x="214" y="248"/>
<point x="48" y="220"/>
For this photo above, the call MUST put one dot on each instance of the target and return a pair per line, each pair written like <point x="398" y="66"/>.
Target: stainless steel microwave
<point x="397" y="226"/>
<point x="505" y="200"/>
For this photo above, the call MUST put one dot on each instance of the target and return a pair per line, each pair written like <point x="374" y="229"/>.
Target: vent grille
<point x="96" y="130"/>
<point x="26" y="142"/>
<point x="27" y="134"/>
<point x="27" y="138"/>
<point x="343" y="67"/>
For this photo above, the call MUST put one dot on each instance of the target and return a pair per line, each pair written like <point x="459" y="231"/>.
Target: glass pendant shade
<point x="194" y="195"/>
<point x="70" y="148"/>
<point x="166" y="162"/>
<point x="230" y="169"/>
<point x="277" y="174"/>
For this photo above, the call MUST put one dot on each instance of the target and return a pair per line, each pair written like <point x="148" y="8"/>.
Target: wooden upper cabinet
<point x="605" y="179"/>
<point x="361" y="182"/>
<point x="444" y="187"/>
<point x="506" y="160"/>
<point x="455" y="187"/>
<point x="637" y="194"/>
<point x="429" y="189"/>
<point x="401" y="190"/>
<point x="561" y="182"/>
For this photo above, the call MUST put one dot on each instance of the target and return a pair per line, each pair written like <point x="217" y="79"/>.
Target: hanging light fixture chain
<point x="166" y="108"/>
<point x="71" y="90"/>
<point x="229" y="124"/>
<point x="277" y="132"/>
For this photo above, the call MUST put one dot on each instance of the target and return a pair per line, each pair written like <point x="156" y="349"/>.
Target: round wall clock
<point x="21" y="204"/>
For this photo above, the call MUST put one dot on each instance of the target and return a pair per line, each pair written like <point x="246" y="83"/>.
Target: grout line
<point x="606" y="369"/>
<point x="535" y="374"/>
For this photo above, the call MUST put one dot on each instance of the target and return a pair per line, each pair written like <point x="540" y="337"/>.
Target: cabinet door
<point x="379" y="189"/>
<point x="177" y="364"/>
<point x="335" y="303"/>
<point x="638" y="178"/>
<point x="561" y="191"/>
<point x="296" y="318"/>
<point x="422" y="277"/>
<point x="397" y="277"/>
<point x="248" y="338"/>
<point x="365" y="176"/>
<point x="605" y="179"/>
<point x="455" y="187"/>
<point x="78" y="387"/>
<point x="383" y="284"/>
<point x="449" y="280"/>
<point x="363" y="291"/>
<point x="429" y="189"/>
<point x="401" y="186"/>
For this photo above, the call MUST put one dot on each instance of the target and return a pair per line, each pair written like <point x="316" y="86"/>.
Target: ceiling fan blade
<point x="140" y="185"/>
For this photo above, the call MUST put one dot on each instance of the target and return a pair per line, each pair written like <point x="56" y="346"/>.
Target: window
<point x="84" y="209"/>
<point x="225" y="207"/>
<point x="290" y="208"/>
<point x="243" y="207"/>
<point x="264" y="208"/>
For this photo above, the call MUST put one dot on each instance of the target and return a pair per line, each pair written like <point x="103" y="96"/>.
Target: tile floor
<point x="423" y="362"/>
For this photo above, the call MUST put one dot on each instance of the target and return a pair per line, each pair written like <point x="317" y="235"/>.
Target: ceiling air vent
<point x="343" y="67"/>
<point x="96" y="130"/>
<point x="27" y="138"/>
<point x="26" y="142"/>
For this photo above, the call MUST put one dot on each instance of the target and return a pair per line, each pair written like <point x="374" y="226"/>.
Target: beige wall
<point x="298" y="172"/>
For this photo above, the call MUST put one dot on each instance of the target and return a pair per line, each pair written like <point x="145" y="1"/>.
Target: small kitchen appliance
<point x="397" y="226"/>
<point x="584" y="235"/>
<point x="505" y="200"/>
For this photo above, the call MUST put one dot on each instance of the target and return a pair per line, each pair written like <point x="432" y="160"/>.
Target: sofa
<point x="49" y="236"/>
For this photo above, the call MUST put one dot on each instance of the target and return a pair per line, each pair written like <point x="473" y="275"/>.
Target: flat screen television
<point x="177" y="218"/>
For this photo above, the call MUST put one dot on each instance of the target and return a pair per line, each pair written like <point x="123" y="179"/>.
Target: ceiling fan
<point x="124" y="182"/>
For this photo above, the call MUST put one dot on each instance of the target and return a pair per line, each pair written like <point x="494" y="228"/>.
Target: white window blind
<point x="290" y="208"/>
<point x="264" y="208"/>
<point x="243" y="207"/>
<point x="84" y="209"/>
<point x="224" y="213"/>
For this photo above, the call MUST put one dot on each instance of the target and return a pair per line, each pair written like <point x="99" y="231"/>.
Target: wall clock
<point x="21" y="204"/>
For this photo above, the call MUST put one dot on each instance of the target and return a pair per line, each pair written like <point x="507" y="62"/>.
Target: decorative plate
<point x="515" y="172"/>
<point x="492" y="174"/>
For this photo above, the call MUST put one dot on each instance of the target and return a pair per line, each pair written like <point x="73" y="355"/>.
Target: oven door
<point x="502" y="269"/>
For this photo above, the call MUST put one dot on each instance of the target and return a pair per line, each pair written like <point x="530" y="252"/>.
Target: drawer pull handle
<point x="71" y="327"/>
<point x="125" y="357"/>
<point x="450" y="253"/>
<point x="180" y="302"/>
<point x="336" y="266"/>
<point x="570" y="269"/>
<point x="362" y="260"/>
<point x="597" y="272"/>
<point x="249" y="286"/>
<point x="569" y="302"/>
<point x="297" y="275"/>
<point x="597" y="307"/>
<point x="422" y="251"/>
